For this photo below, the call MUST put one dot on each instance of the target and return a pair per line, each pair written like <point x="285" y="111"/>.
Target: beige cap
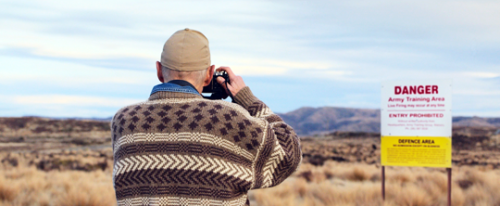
<point x="186" y="50"/>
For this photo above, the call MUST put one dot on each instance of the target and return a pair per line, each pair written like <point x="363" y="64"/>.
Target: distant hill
<point x="36" y="127"/>
<point x="309" y="121"/>
<point x="106" y="119"/>
<point x="476" y="122"/>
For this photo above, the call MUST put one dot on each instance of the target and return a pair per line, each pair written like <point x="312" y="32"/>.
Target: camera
<point x="215" y="88"/>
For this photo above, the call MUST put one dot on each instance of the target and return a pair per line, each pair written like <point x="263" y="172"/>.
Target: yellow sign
<point x="416" y="151"/>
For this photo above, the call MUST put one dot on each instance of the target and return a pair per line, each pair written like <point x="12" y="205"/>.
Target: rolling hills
<point x="310" y="121"/>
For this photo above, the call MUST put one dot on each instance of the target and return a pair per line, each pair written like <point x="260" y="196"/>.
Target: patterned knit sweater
<point x="181" y="149"/>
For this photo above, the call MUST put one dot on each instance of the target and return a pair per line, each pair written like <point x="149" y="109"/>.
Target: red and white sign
<point x="416" y="108"/>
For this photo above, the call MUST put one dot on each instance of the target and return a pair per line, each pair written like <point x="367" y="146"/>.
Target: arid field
<point x="69" y="162"/>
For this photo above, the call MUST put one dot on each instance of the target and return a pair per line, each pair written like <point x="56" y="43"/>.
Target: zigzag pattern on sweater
<point x="181" y="201"/>
<point x="265" y="151"/>
<point x="259" y="109"/>
<point x="181" y="177"/>
<point x="176" y="190"/>
<point x="183" y="137"/>
<point x="271" y="164"/>
<point x="185" y="162"/>
<point x="292" y="157"/>
<point x="185" y="148"/>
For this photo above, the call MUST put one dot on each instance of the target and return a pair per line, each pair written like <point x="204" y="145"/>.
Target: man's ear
<point x="209" y="75"/>
<point x="159" y="72"/>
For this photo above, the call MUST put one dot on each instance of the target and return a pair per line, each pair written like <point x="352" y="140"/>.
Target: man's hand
<point x="236" y="82"/>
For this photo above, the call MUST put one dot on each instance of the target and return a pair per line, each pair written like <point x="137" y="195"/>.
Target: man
<point x="178" y="148"/>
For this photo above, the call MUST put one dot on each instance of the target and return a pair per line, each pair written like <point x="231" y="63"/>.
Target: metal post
<point x="383" y="183"/>
<point x="449" y="185"/>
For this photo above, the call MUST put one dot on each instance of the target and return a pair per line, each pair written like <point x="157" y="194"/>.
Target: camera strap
<point x="229" y="92"/>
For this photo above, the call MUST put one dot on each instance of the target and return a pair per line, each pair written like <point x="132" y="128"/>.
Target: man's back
<point x="180" y="149"/>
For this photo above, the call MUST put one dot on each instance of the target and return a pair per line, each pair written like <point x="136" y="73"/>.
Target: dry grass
<point x="29" y="186"/>
<point x="359" y="184"/>
<point x="342" y="184"/>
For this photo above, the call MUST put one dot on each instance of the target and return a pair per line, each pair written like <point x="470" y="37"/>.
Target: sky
<point x="90" y="58"/>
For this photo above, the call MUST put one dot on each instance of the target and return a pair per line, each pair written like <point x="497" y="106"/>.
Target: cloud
<point x="482" y="74"/>
<point x="471" y="92"/>
<point x="49" y="71"/>
<point x="340" y="48"/>
<point x="265" y="66"/>
<point x="122" y="63"/>
<point x="69" y="100"/>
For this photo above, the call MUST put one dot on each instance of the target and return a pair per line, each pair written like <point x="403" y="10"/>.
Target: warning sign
<point x="416" y="123"/>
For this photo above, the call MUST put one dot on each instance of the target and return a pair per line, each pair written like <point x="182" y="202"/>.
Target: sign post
<point x="416" y="125"/>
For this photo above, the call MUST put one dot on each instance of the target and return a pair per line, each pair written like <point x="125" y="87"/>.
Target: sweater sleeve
<point x="280" y="153"/>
